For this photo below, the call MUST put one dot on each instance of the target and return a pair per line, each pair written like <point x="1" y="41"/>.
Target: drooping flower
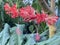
<point x="51" y="20"/>
<point x="43" y="16"/>
<point x="37" y="37"/>
<point x="27" y="13"/>
<point x="40" y="17"/>
<point x="11" y="10"/>
<point x="7" y="8"/>
<point x="14" y="11"/>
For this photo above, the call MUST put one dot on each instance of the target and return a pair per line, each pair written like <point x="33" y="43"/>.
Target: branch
<point x="45" y="6"/>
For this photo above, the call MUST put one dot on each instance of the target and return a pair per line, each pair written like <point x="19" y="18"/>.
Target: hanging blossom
<point x="43" y="17"/>
<point x="27" y="13"/>
<point x="50" y="20"/>
<point x="40" y="17"/>
<point x="12" y="10"/>
<point x="7" y="8"/>
<point x="37" y="37"/>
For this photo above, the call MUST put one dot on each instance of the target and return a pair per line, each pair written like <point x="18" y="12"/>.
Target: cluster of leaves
<point x="9" y="37"/>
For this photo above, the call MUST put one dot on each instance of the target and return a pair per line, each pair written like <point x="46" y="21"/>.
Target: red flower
<point x="37" y="37"/>
<point x="27" y="13"/>
<point x="7" y="8"/>
<point x="43" y="16"/>
<point x="14" y="11"/>
<point x="40" y="17"/>
<point x="51" y="20"/>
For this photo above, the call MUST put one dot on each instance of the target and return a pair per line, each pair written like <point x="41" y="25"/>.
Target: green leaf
<point x="36" y="5"/>
<point x="16" y="39"/>
<point x="30" y="40"/>
<point x="1" y="1"/>
<point x="31" y="28"/>
<point x="4" y="35"/>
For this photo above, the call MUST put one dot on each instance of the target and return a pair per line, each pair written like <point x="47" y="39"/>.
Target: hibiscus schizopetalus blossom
<point x="14" y="11"/>
<point x="40" y="17"/>
<point x="27" y="13"/>
<point x="43" y="16"/>
<point x="7" y="8"/>
<point x="11" y="10"/>
<point x="37" y="37"/>
<point x="51" y="20"/>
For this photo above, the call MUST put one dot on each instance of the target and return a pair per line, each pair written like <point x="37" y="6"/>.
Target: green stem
<point x="36" y="28"/>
